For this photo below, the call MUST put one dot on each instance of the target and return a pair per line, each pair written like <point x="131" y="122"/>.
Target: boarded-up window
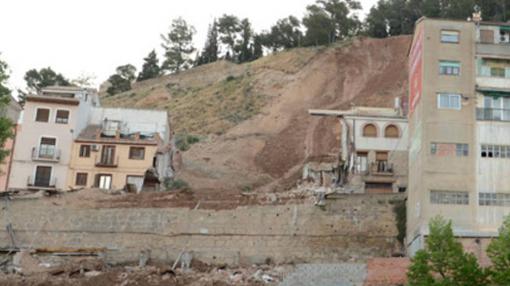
<point x="42" y="115"/>
<point x="81" y="179"/>
<point x="391" y="131"/>
<point x="370" y="130"/>
<point x="487" y="36"/>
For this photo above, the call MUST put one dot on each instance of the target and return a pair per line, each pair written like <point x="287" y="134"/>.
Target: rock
<point x="92" y="273"/>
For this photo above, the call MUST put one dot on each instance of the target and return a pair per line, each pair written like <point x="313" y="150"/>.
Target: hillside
<point x="252" y="118"/>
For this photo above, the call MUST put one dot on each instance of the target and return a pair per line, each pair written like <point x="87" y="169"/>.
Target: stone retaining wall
<point x="348" y="227"/>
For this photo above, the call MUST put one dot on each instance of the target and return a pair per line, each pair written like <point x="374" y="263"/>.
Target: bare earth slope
<point x="256" y="132"/>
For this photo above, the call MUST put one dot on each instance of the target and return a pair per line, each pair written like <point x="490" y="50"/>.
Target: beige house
<point x="50" y="122"/>
<point x="112" y="161"/>
<point x="459" y="106"/>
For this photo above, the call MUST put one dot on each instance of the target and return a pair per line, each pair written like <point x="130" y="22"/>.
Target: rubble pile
<point x="26" y="269"/>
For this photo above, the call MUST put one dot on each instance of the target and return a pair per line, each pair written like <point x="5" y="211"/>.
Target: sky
<point x="92" y="37"/>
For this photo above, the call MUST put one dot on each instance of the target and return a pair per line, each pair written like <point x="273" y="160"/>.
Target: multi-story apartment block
<point x="66" y="140"/>
<point x="51" y="120"/>
<point x="459" y="128"/>
<point x="373" y="150"/>
<point x="11" y="111"/>
<point x="121" y="147"/>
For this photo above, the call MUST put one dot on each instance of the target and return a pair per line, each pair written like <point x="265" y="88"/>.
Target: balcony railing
<point x="44" y="183"/>
<point x="381" y="168"/>
<point x="45" y="154"/>
<point x="493" y="114"/>
<point x="107" y="162"/>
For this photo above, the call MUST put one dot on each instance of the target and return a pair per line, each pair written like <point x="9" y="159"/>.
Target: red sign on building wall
<point x="415" y="70"/>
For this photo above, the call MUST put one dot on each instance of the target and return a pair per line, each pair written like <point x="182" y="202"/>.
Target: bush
<point x="176" y="184"/>
<point x="184" y="141"/>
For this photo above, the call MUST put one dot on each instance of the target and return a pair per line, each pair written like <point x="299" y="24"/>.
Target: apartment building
<point x="11" y="111"/>
<point x="459" y="129"/>
<point x="121" y="147"/>
<point x="51" y="120"/>
<point x="373" y="151"/>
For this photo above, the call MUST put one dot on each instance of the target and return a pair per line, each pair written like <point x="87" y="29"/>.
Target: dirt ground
<point x="266" y="151"/>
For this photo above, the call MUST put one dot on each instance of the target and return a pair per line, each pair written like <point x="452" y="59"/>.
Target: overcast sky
<point x="92" y="37"/>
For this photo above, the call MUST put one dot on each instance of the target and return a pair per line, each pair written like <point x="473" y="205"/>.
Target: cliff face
<point x="256" y="132"/>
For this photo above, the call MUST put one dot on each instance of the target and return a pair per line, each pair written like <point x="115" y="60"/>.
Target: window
<point x="104" y="181"/>
<point x="136" y="153"/>
<point x="85" y="151"/>
<point x="449" y="67"/>
<point x="81" y="179"/>
<point x="449" y="101"/>
<point x="378" y="188"/>
<point x="62" y="117"/>
<point x="448" y="36"/>
<point x="449" y="198"/>
<point x="47" y="148"/>
<point x="361" y="162"/>
<point x="369" y="130"/>
<point x="42" y="115"/>
<point x="497" y="72"/>
<point x="449" y="149"/>
<point x="495" y="151"/>
<point x="494" y="199"/>
<point x="391" y="131"/>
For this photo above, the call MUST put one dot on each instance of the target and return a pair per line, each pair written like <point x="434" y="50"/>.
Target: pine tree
<point x="5" y="123"/>
<point x="178" y="45"/>
<point x="210" y="52"/>
<point x="244" y="46"/>
<point x="228" y="29"/>
<point x="150" y="68"/>
<point x="38" y="79"/>
<point x="121" y="80"/>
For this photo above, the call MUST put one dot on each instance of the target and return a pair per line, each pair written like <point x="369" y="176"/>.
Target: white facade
<point x="31" y="154"/>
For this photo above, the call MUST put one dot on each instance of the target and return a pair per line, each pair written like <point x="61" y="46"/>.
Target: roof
<point x="53" y="99"/>
<point x="360" y="111"/>
<point x="90" y="134"/>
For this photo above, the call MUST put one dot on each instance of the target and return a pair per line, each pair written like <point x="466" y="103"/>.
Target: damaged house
<point x="373" y="153"/>
<point x="65" y="140"/>
<point x="121" y="147"/>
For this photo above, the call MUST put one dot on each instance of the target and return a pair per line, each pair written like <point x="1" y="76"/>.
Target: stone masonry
<point x="350" y="227"/>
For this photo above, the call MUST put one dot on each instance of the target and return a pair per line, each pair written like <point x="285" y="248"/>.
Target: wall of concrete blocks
<point x="348" y="227"/>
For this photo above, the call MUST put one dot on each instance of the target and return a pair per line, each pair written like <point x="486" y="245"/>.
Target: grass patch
<point x="184" y="141"/>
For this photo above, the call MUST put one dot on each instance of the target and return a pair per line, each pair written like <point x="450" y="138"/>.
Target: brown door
<point x="42" y="176"/>
<point x="108" y="155"/>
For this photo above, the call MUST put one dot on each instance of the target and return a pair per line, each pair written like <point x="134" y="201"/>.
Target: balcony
<point x="493" y="114"/>
<point x="107" y="162"/>
<point x="45" y="154"/>
<point x="496" y="50"/>
<point x="489" y="82"/>
<point x="381" y="168"/>
<point x="44" y="183"/>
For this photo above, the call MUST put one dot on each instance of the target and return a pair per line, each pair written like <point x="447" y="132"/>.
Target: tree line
<point x="324" y="22"/>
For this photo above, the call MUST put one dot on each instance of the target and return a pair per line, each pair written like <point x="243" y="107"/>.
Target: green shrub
<point x="176" y="184"/>
<point x="184" y="141"/>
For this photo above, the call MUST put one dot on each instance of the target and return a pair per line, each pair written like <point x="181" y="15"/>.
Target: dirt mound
<point x="252" y="118"/>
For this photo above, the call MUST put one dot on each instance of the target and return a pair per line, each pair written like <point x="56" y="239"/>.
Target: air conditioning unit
<point x="95" y="147"/>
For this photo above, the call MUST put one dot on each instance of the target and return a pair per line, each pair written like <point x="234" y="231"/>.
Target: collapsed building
<point x="373" y="153"/>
